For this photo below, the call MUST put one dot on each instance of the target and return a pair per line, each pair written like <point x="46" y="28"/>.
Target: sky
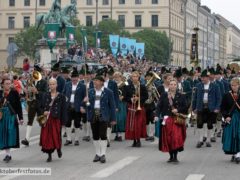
<point x="230" y="9"/>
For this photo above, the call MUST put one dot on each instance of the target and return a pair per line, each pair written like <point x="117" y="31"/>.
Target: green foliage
<point x="26" y="40"/>
<point x="157" y="44"/>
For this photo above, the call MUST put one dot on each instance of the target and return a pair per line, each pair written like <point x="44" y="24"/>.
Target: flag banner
<point x="51" y="33"/>
<point x="123" y="46"/>
<point x="194" y="48"/>
<point x="98" y="36"/>
<point x="140" y="50"/>
<point x="131" y="46"/>
<point x="84" y="40"/>
<point x="70" y="35"/>
<point x="114" y="43"/>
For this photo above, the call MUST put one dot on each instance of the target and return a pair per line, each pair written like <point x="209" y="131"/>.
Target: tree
<point x="26" y="40"/>
<point x="157" y="45"/>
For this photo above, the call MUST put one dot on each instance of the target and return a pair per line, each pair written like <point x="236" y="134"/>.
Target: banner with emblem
<point x="51" y="33"/>
<point x="98" y="35"/>
<point x="131" y="46"/>
<point x="140" y="50"/>
<point x="70" y="35"/>
<point x="123" y="46"/>
<point x="114" y="43"/>
<point x="84" y="39"/>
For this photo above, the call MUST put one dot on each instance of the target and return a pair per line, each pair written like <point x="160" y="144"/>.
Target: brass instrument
<point x="150" y="83"/>
<point x="34" y="77"/>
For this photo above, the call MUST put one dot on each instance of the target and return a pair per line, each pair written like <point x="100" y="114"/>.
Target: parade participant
<point x="166" y="81"/>
<point x="56" y="74"/>
<point x="230" y="110"/>
<point x="88" y="84"/>
<point x="173" y="135"/>
<point x="10" y="116"/>
<point x="75" y="93"/>
<point x="150" y="106"/>
<point x="100" y="113"/>
<point x="56" y="112"/>
<point x="121" y="114"/>
<point x="35" y="93"/>
<point x="136" y="118"/>
<point x="65" y="74"/>
<point x="206" y="104"/>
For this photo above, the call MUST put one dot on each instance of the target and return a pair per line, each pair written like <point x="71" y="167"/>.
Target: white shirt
<point x="97" y="101"/>
<point x="106" y="83"/>
<point x="74" y="87"/>
<point x="205" y="96"/>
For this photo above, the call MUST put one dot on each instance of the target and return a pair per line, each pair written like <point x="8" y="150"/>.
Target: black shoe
<point x="219" y="134"/>
<point x="25" y="142"/>
<point x="67" y="143"/>
<point x="108" y="143"/>
<point x="233" y="158"/>
<point x="73" y="130"/>
<point x="134" y="143"/>
<point x="208" y="144"/>
<point x="170" y="160"/>
<point x="119" y="138"/>
<point x="76" y="143"/>
<point x="49" y="159"/>
<point x="199" y="144"/>
<point x="237" y="160"/>
<point x="103" y="159"/>
<point x="204" y="139"/>
<point x="65" y="134"/>
<point x="96" y="158"/>
<point x="175" y="160"/>
<point x="151" y="139"/>
<point x="86" y="138"/>
<point x="59" y="153"/>
<point x="213" y="139"/>
<point x="138" y="144"/>
<point x="7" y="158"/>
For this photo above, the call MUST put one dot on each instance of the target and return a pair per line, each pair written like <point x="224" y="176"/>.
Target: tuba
<point x="150" y="83"/>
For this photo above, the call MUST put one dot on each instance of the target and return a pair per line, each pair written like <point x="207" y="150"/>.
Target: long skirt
<point x="136" y="124"/>
<point x="121" y="116"/>
<point x="231" y="135"/>
<point x="172" y="136"/>
<point x="50" y="138"/>
<point x="9" y="130"/>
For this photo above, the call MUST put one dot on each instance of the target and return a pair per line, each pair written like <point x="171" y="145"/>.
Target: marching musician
<point x="164" y="87"/>
<point x="206" y="104"/>
<point x="136" y="118"/>
<point x="121" y="114"/>
<point x="65" y="74"/>
<point x="100" y="113"/>
<point x="10" y="116"/>
<point x="55" y="110"/>
<point x="56" y="74"/>
<point x="173" y="135"/>
<point x="35" y="95"/>
<point x="75" y="93"/>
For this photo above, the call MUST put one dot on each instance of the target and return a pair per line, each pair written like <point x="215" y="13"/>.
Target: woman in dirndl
<point x="121" y="114"/>
<point x="136" y="117"/>
<point x="173" y="135"/>
<point x="230" y="109"/>
<point x="10" y="117"/>
<point x="56" y="112"/>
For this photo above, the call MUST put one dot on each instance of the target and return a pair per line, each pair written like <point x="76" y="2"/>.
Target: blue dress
<point x="121" y="116"/>
<point x="231" y="135"/>
<point x="9" y="132"/>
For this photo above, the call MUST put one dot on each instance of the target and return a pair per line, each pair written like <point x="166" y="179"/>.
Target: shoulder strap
<point x="236" y="103"/>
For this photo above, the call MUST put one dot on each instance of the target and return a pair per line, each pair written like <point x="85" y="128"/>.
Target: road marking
<point x="195" y="177"/>
<point x="22" y="146"/>
<point x="115" y="167"/>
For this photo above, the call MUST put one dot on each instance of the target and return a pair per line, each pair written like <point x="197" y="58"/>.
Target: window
<point x="121" y="20"/>
<point x="154" y="20"/>
<point x="154" y="1"/>
<point x="105" y="17"/>
<point x="105" y="2"/>
<point x="121" y="1"/>
<point x="42" y="2"/>
<point x="88" y="20"/>
<point x="11" y="2"/>
<point x="10" y="40"/>
<point x="11" y="22"/>
<point x="26" y="21"/>
<point x="138" y="1"/>
<point x="26" y="2"/>
<point x="89" y="2"/>
<point x="138" y="20"/>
